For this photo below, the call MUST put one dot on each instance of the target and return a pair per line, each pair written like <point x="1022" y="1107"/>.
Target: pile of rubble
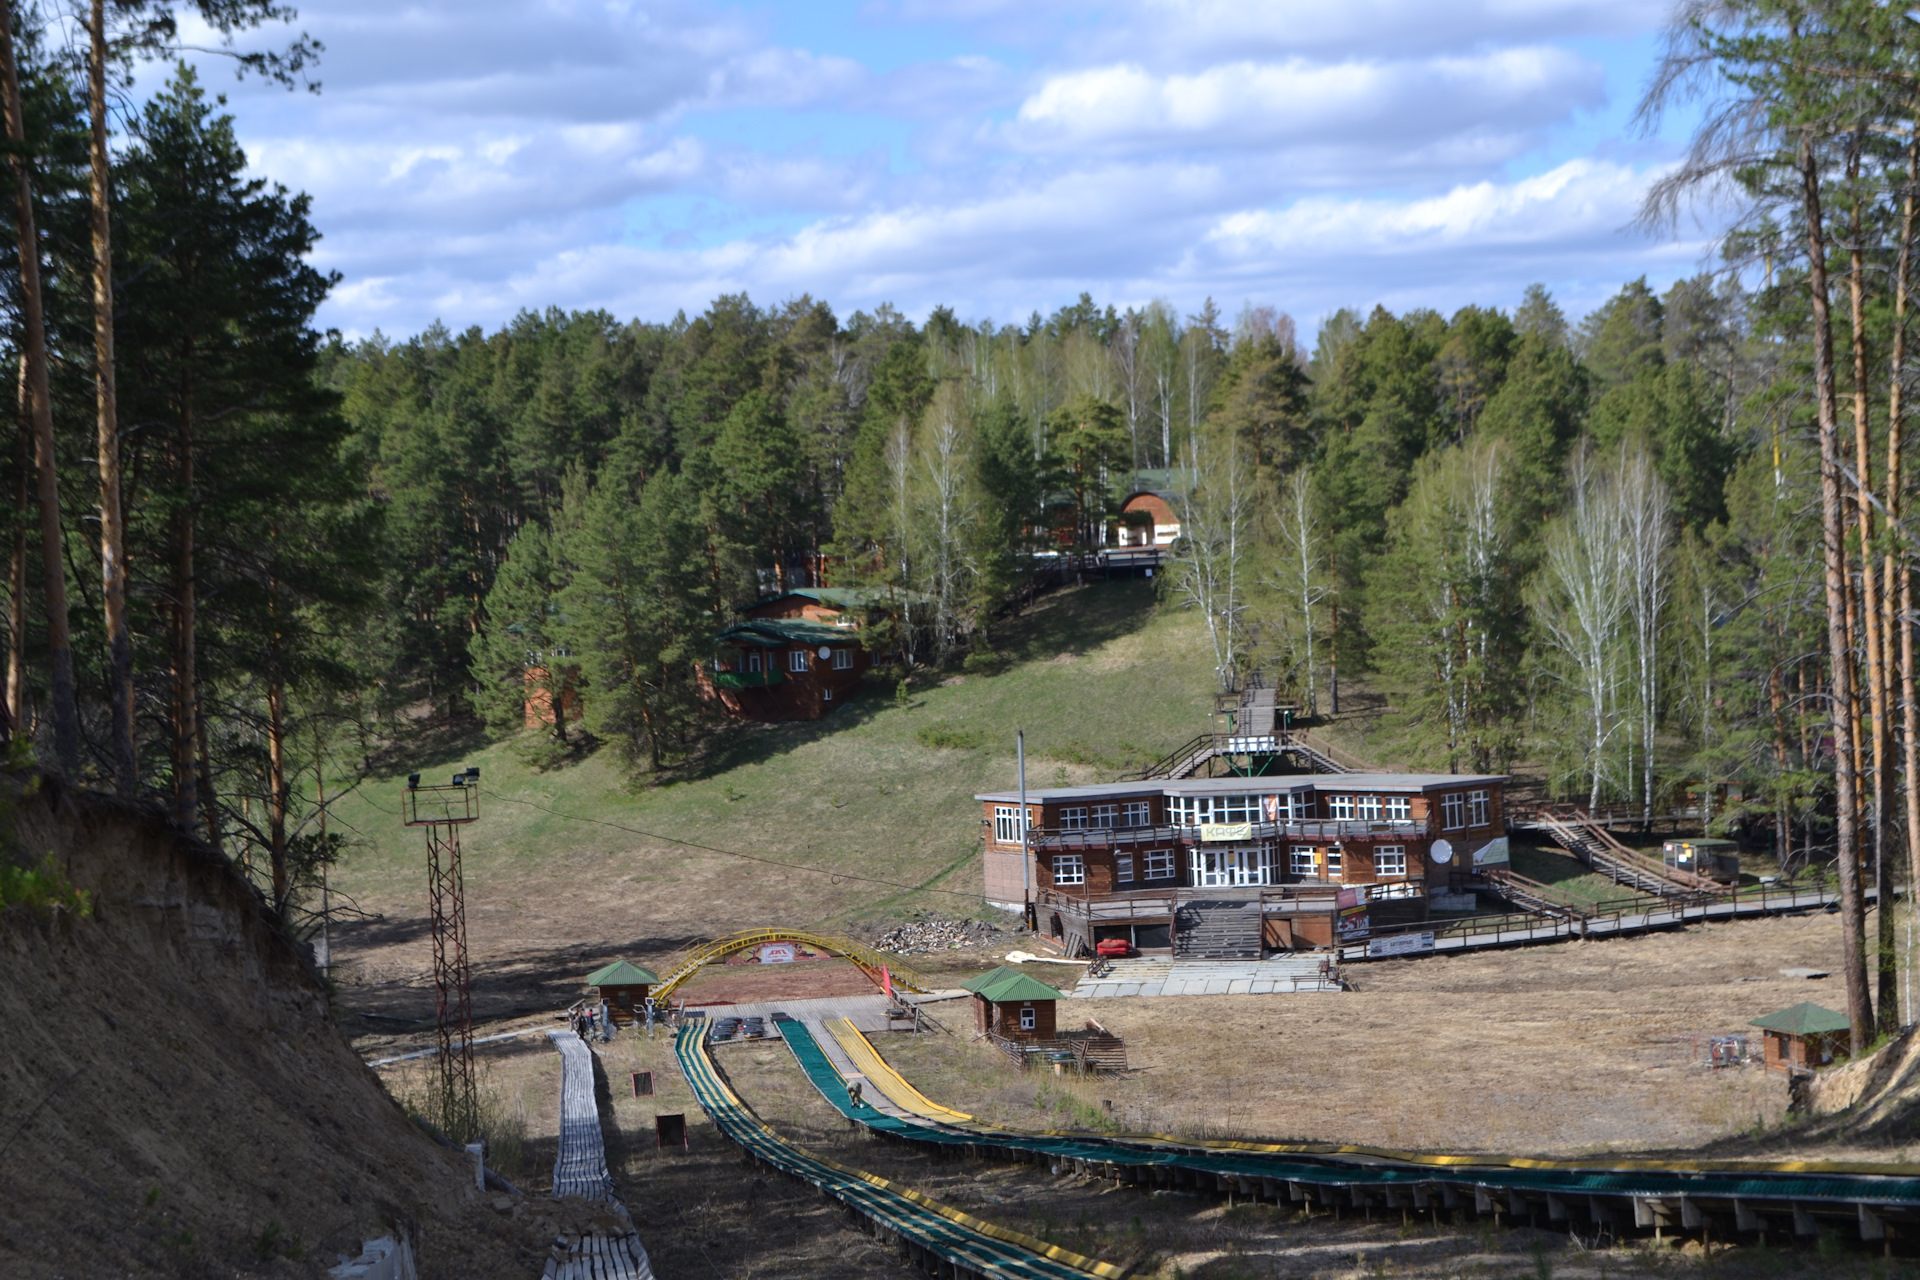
<point x="928" y="935"/>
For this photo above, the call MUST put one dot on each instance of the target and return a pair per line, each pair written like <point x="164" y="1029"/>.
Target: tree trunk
<point x="186" y="658"/>
<point x="277" y="787"/>
<point x="1833" y="545"/>
<point x="1899" y="580"/>
<point x="113" y="552"/>
<point x="65" y="707"/>
<point x="1886" y="957"/>
<point x="17" y="565"/>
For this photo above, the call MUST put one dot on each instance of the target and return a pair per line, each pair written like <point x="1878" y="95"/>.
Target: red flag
<point x="886" y="981"/>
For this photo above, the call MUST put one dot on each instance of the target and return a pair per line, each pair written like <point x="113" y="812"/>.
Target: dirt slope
<point x="174" y="1100"/>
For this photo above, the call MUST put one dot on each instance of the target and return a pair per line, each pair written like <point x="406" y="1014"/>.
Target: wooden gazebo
<point x="1013" y="1005"/>
<point x="623" y="985"/>
<point x="1803" y="1037"/>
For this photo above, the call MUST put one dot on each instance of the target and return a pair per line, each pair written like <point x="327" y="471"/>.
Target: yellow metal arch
<point x="866" y="957"/>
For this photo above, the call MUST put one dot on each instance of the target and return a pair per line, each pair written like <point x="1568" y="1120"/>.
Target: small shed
<point x="1716" y="859"/>
<point x="1013" y="1005"/>
<point x="1803" y="1036"/>
<point x="623" y="985"/>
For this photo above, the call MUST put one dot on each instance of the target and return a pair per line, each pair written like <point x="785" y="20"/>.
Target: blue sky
<point x="999" y="156"/>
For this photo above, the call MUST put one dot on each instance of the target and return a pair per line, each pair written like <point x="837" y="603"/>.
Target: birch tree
<point x="1646" y="547"/>
<point x="1209" y="559"/>
<point x="1585" y="604"/>
<point x="1300" y="575"/>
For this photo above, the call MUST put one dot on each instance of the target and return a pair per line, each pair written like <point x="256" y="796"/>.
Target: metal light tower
<point x="442" y="811"/>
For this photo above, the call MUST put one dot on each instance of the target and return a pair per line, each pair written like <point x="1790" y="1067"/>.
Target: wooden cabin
<point x="624" y="986"/>
<point x="1147" y="519"/>
<point x="1803" y="1037"/>
<point x="795" y="656"/>
<point x="1013" y="1005"/>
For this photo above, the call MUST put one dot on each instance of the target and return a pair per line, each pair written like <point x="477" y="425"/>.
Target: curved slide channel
<point x="966" y="1243"/>
<point x="1800" y="1196"/>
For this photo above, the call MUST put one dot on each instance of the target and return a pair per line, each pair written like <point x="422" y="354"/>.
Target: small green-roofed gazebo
<point x="1802" y="1036"/>
<point x="1013" y="1005"/>
<point x="622" y="985"/>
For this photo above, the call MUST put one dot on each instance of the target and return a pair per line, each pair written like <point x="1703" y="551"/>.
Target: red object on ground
<point x="1115" y="947"/>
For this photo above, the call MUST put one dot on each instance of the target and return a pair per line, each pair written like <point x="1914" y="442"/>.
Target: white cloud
<point x="644" y="155"/>
<point x="1390" y="106"/>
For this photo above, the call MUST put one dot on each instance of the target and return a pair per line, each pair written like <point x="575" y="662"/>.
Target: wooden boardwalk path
<point x="580" y="1169"/>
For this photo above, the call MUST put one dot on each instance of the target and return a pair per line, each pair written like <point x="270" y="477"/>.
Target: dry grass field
<point x="1564" y="1049"/>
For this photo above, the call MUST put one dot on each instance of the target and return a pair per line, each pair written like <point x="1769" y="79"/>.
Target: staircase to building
<point x="1594" y="845"/>
<point x="1218" y="930"/>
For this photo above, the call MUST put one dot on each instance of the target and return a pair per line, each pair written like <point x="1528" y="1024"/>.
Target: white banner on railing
<point x="1214" y="832"/>
<point x="1405" y="944"/>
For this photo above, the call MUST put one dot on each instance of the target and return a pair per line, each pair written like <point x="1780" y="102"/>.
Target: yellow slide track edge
<point x="1007" y="1235"/>
<point x="903" y="1094"/>
<point x="886" y="1079"/>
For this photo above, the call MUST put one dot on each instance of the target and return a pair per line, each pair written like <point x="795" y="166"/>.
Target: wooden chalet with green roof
<point x="622" y="985"/>
<point x="1013" y="1005"/>
<point x="794" y="656"/>
<point x="1803" y="1036"/>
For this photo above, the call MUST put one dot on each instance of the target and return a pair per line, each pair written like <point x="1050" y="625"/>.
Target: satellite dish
<point x="825" y="653"/>
<point x="1442" y="851"/>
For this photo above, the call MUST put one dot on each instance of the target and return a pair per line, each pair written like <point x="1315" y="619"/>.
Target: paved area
<point x="1280" y="975"/>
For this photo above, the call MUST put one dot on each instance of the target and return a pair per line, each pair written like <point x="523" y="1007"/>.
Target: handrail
<point x="869" y="960"/>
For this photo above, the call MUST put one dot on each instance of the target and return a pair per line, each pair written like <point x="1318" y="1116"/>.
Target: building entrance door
<point x="1232" y="868"/>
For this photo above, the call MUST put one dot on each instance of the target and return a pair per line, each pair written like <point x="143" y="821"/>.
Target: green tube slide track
<point x="1639" y="1188"/>
<point x="964" y="1243"/>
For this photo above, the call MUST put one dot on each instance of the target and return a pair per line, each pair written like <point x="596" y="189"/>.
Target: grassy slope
<point x="1103" y="677"/>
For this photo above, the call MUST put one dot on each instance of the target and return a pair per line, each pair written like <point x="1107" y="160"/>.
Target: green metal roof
<point x="772" y="633"/>
<point x="621" y="973"/>
<point x="1004" y="984"/>
<point x="838" y="597"/>
<point x="1803" y="1019"/>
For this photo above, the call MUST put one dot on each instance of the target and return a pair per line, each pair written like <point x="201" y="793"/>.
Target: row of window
<point x="801" y="660"/>
<point x="1458" y="810"/>
<point x="1157" y="864"/>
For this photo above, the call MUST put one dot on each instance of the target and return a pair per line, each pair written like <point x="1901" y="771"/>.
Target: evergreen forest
<point x="1655" y="546"/>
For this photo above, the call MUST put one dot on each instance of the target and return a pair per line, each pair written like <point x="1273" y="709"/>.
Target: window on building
<point x="1027" y="1019"/>
<point x="1453" y="811"/>
<point x="1390" y="860"/>
<point x="843" y="659"/>
<point x="1159" y="863"/>
<point x="1333" y="861"/>
<point x="1136" y="813"/>
<point x="1123" y="868"/>
<point x="1367" y="808"/>
<point x="1300" y="860"/>
<point x="1399" y="808"/>
<point x="826" y="695"/>
<point x="1074" y="819"/>
<point x="797" y="660"/>
<point x="1479" y="810"/>
<point x="753" y="660"/>
<point x="1102" y="817"/>
<point x="1340" y="807"/>
<point x="1069" y="869"/>
<point x="1006" y="824"/>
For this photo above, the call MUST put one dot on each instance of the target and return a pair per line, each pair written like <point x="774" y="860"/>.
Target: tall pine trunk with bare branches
<point x="65" y="707"/>
<point x="1839" y="646"/>
<point x="113" y="542"/>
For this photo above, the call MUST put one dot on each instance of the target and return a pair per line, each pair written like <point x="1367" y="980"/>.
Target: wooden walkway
<point x="580" y="1169"/>
<point x="1508" y="930"/>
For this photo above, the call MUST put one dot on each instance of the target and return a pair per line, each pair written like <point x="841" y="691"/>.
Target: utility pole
<point x="442" y="811"/>
<point x="1026" y="871"/>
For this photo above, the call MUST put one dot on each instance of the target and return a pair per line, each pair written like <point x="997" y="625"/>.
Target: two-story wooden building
<point x="1134" y="860"/>
<point x="794" y="656"/>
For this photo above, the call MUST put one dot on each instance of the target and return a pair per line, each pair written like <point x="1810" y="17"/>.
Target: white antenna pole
<point x="1026" y="860"/>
